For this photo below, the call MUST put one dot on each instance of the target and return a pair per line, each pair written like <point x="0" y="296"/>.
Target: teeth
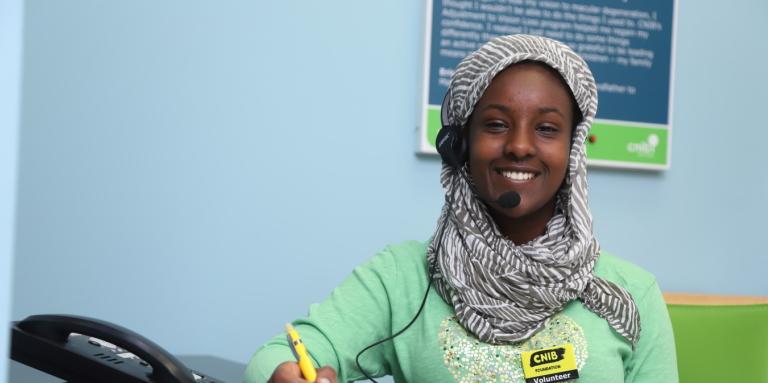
<point x="518" y="176"/>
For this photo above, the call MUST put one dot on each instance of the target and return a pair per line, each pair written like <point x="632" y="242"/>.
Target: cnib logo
<point x="646" y="148"/>
<point x="547" y="356"/>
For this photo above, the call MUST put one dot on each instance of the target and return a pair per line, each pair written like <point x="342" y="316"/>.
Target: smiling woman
<point x="503" y="280"/>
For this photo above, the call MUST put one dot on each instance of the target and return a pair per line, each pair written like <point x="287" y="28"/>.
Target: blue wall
<point x="185" y="164"/>
<point x="10" y="86"/>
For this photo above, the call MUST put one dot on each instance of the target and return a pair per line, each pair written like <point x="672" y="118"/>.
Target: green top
<point x="382" y="296"/>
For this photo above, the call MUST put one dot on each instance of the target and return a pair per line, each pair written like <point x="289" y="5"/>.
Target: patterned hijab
<point x="503" y="292"/>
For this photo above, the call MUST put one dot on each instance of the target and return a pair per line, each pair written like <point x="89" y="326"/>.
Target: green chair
<point x="720" y="339"/>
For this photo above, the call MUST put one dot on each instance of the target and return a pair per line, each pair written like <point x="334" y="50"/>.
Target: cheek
<point x="485" y="146"/>
<point x="481" y="153"/>
<point x="557" y="157"/>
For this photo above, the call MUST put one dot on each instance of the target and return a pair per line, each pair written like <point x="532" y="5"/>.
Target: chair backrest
<point x="720" y="338"/>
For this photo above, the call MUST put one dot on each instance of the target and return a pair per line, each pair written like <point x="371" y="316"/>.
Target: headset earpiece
<point x="450" y="142"/>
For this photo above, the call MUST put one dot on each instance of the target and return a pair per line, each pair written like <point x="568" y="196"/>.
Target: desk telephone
<point x="86" y="350"/>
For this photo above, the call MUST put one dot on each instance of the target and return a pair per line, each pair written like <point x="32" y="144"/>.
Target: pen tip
<point x="288" y="327"/>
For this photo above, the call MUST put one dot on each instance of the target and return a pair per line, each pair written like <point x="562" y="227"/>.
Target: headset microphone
<point x="509" y="200"/>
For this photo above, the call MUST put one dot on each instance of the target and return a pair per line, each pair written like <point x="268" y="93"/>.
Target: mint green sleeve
<point x="356" y="314"/>
<point x="654" y="360"/>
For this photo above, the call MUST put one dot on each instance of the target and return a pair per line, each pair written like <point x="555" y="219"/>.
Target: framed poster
<point x="629" y="45"/>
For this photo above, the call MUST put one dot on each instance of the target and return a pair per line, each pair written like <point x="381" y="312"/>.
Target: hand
<point x="289" y="372"/>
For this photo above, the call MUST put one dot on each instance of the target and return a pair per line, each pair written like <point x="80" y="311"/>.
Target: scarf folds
<point x="503" y="292"/>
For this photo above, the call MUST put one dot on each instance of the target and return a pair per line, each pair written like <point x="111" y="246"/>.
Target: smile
<point x="517" y="176"/>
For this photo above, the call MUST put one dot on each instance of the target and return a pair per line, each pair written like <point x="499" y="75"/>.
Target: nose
<point x="520" y="143"/>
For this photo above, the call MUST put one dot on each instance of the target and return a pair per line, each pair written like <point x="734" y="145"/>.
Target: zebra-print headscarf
<point x="503" y="292"/>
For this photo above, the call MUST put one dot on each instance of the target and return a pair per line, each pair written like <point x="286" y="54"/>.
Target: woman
<point x="513" y="266"/>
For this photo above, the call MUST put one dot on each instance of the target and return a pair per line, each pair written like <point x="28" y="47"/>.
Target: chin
<point x="526" y="210"/>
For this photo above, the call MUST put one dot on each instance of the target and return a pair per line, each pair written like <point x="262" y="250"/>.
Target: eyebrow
<point x="549" y="109"/>
<point x="500" y="107"/>
<point x="542" y="110"/>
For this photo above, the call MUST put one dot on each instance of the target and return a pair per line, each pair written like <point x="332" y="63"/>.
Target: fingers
<point x="326" y="375"/>
<point x="289" y="372"/>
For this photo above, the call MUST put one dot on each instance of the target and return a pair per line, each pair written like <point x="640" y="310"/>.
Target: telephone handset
<point x="86" y="350"/>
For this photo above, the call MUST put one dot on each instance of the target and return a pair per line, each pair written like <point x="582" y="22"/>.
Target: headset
<point x="450" y="141"/>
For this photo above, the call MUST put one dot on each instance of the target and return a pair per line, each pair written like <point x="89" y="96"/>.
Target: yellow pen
<point x="300" y="352"/>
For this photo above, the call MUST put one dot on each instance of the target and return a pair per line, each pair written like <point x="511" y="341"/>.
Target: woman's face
<point x="519" y="140"/>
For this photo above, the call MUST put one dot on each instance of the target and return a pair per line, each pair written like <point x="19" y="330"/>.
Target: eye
<point x="547" y="129"/>
<point x="495" y="126"/>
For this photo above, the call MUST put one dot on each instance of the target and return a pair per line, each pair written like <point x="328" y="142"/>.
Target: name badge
<point x="550" y="365"/>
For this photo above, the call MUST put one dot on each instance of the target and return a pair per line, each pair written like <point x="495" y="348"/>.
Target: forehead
<point x="529" y="83"/>
<point x="529" y="76"/>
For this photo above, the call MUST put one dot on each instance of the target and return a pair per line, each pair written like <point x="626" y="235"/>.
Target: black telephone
<point x="86" y="350"/>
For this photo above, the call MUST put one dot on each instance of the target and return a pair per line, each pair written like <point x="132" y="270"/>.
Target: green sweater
<point x="382" y="296"/>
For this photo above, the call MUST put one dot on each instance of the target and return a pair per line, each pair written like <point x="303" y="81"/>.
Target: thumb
<point x="326" y="375"/>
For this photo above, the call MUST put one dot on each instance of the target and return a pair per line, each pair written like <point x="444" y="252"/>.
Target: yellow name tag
<point x="549" y="365"/>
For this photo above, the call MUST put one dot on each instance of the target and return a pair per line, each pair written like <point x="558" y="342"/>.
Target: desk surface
<point x="712" y="299"/>
<point x="222" y="369"/>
